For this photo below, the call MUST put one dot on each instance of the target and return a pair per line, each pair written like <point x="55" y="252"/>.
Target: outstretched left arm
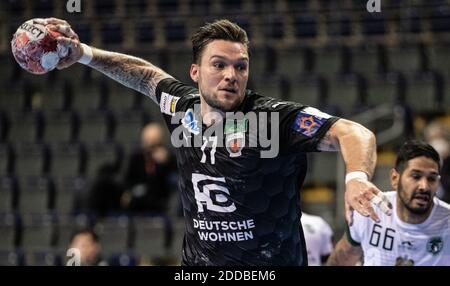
<point x="358" y="147"/>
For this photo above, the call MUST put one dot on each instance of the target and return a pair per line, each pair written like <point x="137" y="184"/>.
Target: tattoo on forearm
<point x="329" y="143"/>
<point x="130" y="71"/>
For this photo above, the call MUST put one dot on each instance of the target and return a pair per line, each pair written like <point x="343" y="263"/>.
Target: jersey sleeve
<point x="327" y="236"/>
<point x="355" y="232"/>
<point x="174" y="96"/>
<point x="302" y="127"/>
<point x="171" y="93"/>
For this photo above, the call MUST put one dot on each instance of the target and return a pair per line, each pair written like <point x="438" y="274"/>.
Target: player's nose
<point x="230" y="74"/>
<point x="423" y="184"/>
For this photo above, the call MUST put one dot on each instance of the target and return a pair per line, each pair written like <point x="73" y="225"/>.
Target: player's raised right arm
<point x="130" y="71"/>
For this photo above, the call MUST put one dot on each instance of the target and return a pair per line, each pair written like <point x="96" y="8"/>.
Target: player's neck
<point x="407" y="216"/>
<point x="211" y="115"/>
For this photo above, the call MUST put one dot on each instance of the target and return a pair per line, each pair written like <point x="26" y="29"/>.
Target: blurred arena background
<point x="389" y="71"/>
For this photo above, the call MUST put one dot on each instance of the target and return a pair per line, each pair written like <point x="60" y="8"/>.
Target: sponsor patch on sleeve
<point x="309" y="121"/>
<point x="168" y="103"/>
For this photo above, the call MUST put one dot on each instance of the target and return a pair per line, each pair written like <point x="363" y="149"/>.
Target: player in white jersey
<point x="418" y="232"/>
<point x="318" y="237"/>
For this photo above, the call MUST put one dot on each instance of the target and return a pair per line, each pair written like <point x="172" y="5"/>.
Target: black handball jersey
<point x="241" y="201"/>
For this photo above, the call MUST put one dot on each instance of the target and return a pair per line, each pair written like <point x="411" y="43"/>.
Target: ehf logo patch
<point x="309" y="121"/>
<point x="435" y="245"/>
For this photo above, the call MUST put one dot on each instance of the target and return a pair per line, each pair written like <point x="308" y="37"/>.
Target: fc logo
<point x="212" y="193"/>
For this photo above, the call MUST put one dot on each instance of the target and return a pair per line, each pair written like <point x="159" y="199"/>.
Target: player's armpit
<point x="345" y="254"/>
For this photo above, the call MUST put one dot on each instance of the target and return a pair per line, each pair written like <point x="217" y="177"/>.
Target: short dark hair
<point x="89" y="231"/>
<point x="412" y="149"/>
<point x="218" y="30"/>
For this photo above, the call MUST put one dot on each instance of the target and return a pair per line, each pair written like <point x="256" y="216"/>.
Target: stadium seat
<point x="263" y="61"/>
<point x="6" y="159"/>
<point x="114" y="233"/>
<point x="290" y="61"/>
<point x="175" y="31"/>
<point x="135" y="7"/>
<point x="129" y="126"/>
<point x="39" y="232"/>
<point x="307" y="89"/>
<point x="37" y="195"/>
<point x="305" y="26"/>
<point x="43" y="8"/>
<point x="105" y="7"/>
<point x="323" y="168"/>
<point x="440" y="19"/>
<point x="373" y="24"/>
<point x="200" y="6"/>
<point x="102" y="154"/>
<point x="10" y="230"/>
<point x="15" y="99"/>
<point x="9" y="194"/>
<point x="60" y="126"/>
<point x="366" y="59"/>
<point x="112" y="33"/>
<point x="25" y="127"/>
<point x="87" y="97"/>
<point x="71" y="194"/>
<point x="84" y="32"/>
<point x="329" y="60"/>
<point x="382" y="89"/>
<point x="271" y="88"/>
<point x="32" y="159"/>
<point x="145" y="32"/>
<point x="339" y="25"/>
<point x="180" y="61"/>
<point x="168" y="7"/>
<point x="344" y="91"/>
<point x="421" y="93"/>
<point x="95" y="126"/>
<point x="296" y="5"/>
<point x="45" y="258"/>
<point x="123" y="259"/>
<point x="273" y="27"/>
<point x="153" y="236"/>
<point x="439" y="55"/>
<point x="12" y="258"/>
<point x="68" y="159"/>
<point x="404" y="58"/>
<point x="4" y="126"/>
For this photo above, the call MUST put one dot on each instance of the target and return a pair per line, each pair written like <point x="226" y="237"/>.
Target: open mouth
<point x="422" y="198"/>
<point x="229" y="89"/>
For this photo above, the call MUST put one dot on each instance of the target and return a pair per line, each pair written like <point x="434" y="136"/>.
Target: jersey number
<point x="388" y="240"/>
<point x="213" y="140"/>
<point x="212" y="193"/>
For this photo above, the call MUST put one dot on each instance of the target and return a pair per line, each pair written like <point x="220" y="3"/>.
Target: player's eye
<point x="241" y="67"/>
<point x="218" y="65"/>
<point x="433" y="179"/>
<point x="416" y="176"/>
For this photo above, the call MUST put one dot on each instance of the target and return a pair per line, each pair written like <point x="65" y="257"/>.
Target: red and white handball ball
<point x="35" y="48"/>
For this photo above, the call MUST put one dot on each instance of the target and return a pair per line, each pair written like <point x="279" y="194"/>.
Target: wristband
<point x="87" y="56"/>
<point x="356" y="175"/>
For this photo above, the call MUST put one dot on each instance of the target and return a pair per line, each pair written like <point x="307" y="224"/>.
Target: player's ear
<point x="395" y="177"/>
<point x="194" y="72"/>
